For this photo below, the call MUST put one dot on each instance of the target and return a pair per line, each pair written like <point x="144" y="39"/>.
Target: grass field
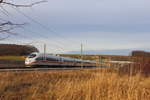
<point x="12" y="58"/>
<point x="92" y="84"/>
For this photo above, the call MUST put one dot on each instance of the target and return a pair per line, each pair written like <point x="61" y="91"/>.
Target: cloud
<point x="108" y="24"/>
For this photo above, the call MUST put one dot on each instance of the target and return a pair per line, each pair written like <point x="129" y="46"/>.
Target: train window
<point x="40" y="58"/>
<point x="51" y="59"/>
<point x="32" y="55"/>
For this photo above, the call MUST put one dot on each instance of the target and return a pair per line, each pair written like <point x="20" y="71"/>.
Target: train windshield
<point x="32" y="56"/>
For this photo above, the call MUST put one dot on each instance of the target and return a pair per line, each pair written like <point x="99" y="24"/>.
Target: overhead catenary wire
<point x="21" y="36"/>
<point x="42" y="25"/>
<point x="45" y="27"/>
<point x="38" y="40"/>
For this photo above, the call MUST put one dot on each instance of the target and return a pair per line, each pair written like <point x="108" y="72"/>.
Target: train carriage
<point x="41" y="59"/>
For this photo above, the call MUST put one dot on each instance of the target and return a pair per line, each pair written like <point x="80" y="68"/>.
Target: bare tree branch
<point x="7" y="26"/>
<point x="1" y="1"/>
<point x="18" y="5"/>
<point x="3" y="38"/>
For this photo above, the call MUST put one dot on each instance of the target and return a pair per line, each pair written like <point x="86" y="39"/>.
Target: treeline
<point x="140" y="54"/>
<point x="16" y="50"/>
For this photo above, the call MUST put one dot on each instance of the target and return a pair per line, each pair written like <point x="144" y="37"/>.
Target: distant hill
<point x="124" y="52"/>
<point x="16" y="50"/>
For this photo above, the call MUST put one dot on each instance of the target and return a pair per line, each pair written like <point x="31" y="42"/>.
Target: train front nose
<point x="30" y="59"/>
<point x="27" y="61"/>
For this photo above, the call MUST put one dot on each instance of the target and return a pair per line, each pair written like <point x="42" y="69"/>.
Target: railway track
<point x="16" y="69"/>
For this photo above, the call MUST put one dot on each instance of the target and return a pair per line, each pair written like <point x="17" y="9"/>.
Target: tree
<point x="6" y="26"/>
<point x="139" y="53"/>
<point x="16" y="50"/>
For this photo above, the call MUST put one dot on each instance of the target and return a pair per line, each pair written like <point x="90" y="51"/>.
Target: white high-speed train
<point x="42" y="59"/>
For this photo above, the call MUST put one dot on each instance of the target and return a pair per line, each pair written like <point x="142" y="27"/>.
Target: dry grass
<point x="92" y="84"/>
<point x="12" y="58"/>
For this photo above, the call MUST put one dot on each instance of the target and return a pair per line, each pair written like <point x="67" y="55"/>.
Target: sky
<point x="98" y="24"/>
